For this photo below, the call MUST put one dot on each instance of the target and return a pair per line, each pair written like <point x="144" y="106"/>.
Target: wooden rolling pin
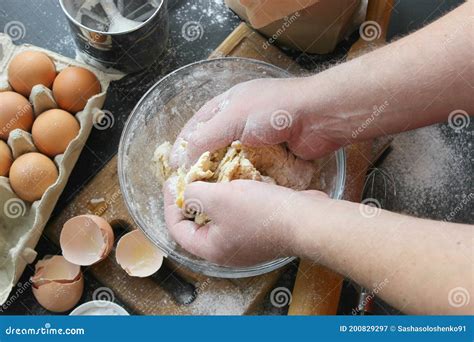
<point x="317" y="289"/>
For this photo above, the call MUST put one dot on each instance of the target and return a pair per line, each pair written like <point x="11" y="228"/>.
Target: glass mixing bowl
<point x="159" y="117"/>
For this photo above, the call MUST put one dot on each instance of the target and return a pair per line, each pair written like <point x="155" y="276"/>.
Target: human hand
<point x="259" y="112"/>
<point x="251" y="222"/>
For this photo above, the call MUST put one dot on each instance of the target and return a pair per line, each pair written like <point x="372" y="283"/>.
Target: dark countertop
<point x="46" y="26"/>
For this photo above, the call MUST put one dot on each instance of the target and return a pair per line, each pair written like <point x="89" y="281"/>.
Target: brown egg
<point x="31" y="175"/>
<point x="6" y="159"/>
<point x="15" y="112"/>
<point x="30" y="68"/>
<point x="73" y="87"/>
<point x="57" y="284"/>
<point x="53" y="130"/>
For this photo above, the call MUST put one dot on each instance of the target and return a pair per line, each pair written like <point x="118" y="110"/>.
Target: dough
<point x="270" y="164"/>
<point x="160" y="160"/>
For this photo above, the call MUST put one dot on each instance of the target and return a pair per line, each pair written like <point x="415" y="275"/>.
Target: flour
<point x="215" y="12"/>
<point x="431" y="170"/>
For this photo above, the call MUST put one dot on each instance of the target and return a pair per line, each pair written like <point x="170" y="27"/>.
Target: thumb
<point x="204" y="198"/>
<point x="199" y="198"/>
<point x="191" y="237"/>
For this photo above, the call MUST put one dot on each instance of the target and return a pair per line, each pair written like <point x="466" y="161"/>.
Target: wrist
<point x="322" y="109"/>
<point x="317" y="226"/>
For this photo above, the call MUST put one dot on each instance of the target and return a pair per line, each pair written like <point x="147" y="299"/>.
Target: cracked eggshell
<point x="22" y="233"/>
<point x="57" y="284"/>
<point x="86" y="239"/>
<point x="137" y="255"/>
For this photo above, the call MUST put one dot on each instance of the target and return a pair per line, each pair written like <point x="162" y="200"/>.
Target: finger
<point x="173" y="214"/>
<point x="218" y="132"/>
<point x="191" y="237"/>
<point x="205" y="113"/>
<point x="186" y="233"/>
<point x="204" y="197"/>
<point x="312" y="148"/>
<point x="315" y="193"/>
<point x="268" y="128"/>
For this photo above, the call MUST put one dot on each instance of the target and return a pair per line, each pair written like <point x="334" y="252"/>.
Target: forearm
<point x="413" y="82"/>
<point x="417" y="262"/>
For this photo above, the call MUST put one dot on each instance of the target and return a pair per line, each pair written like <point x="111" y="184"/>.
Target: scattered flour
<point x="215" y="12"/>
<point x="431" y="170"/>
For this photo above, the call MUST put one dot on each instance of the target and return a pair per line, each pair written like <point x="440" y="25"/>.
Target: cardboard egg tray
<point x="22" y="223"/>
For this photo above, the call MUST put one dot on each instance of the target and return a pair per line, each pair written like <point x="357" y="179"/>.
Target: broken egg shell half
<point x="57" y="284"/>
<point x="86" y="239"/>
<point x="137" y="255"/>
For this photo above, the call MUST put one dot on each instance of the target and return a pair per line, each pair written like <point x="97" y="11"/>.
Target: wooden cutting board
<point x="170" y="290"/>
<point x="174" y="290"/>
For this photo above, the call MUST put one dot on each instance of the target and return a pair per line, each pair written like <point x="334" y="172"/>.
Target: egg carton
<point x="22" y="223"/>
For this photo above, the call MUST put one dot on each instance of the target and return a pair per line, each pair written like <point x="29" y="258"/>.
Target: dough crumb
<point x="161" y="162"/>
<point x="270" y="164"/>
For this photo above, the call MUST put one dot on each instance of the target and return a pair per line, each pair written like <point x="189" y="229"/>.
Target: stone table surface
<point x="426" y="173"/>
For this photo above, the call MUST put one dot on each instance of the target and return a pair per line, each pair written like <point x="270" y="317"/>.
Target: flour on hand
<point x="271" y="164"/>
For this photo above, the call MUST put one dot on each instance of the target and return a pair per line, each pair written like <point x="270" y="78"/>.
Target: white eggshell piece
<point x="20" y="143"/>
<point x="137" y="255"/>
<point x="42" y="99"/>
<point x="18" y="233"/>
<point x="86" y="239"/>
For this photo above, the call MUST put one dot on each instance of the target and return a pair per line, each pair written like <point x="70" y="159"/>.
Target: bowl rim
<point x="215" y="270"/>
<point x="98" y="304"/>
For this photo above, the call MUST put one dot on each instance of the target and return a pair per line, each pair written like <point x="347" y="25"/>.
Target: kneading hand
<point x="251" y="222"/>
<point x="259" y="112"/>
